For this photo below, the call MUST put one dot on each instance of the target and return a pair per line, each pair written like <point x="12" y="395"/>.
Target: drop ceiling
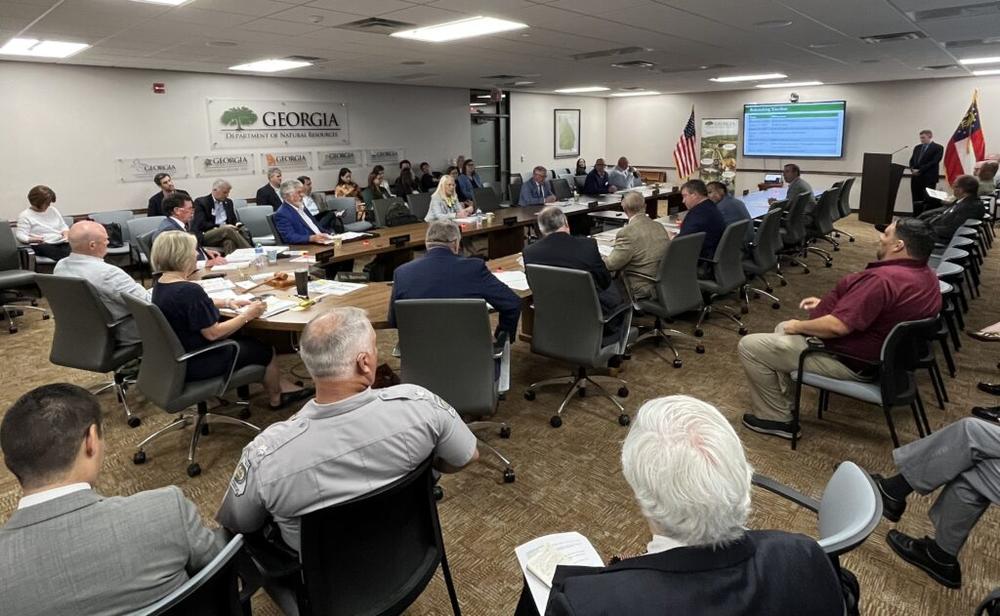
<point x="680" y="37"/>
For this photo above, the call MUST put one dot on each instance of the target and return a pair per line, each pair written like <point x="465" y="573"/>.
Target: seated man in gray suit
<point x="797" y="186"/>
<point x="639" y="247"/>
<point x="67" y="549"/>
<point x="89" y="243"/>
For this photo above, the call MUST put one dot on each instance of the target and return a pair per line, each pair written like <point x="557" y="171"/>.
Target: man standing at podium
<point x="924" y="164"/>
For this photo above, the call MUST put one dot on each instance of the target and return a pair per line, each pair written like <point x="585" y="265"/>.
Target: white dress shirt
<point x="45" y="496"/>
<point x="309" y="204"/>
<point x="662" y="543"/>
<point x="220" y="214"/>
<point x="306" y="219"/>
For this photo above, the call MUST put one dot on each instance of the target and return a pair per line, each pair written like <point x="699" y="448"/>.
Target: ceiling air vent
<point x="979" y="9"/>
<point x="892" y="38"/>
<point x="607" y="53"/>
<point x="690" y="69"/>
<point x="501" y="77"/>
<point x="312" y="59"/>
<point x="643" y="64"/>
<point x="376" y="25"/>
<point x="938" y="67"/>
<point x="993" y="40"/>
<point x="414" y="76"/>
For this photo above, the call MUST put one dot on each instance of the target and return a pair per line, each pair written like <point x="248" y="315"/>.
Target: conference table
<point x="758" y="202"/>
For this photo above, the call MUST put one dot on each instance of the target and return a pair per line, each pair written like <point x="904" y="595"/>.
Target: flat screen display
<point x="794" y="130"/>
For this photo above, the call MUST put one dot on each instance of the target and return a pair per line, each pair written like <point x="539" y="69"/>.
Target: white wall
<point x="881" y="117"/>
<point x="65" y="126"/>
<point x="532" y="129"/>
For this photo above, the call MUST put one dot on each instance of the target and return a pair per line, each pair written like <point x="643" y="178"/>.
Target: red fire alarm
<point x="159" y="88"/>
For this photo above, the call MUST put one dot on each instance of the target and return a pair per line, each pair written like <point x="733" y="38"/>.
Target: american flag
<point x="685" y="157"/>
<point x="967" y="145"/>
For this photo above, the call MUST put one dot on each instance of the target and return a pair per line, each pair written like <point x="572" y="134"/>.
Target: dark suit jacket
<point x="155" y="205"/>
<point x="291" y="227"/>
<point x="927" y="166"/>
<point x="169" y="224"/>
<point x="266" y="195"/>
<point x="443" y="274"/>
<point x="596" y="184"/>
<point x="575" y="252"/>
<point x="766" y="572"/>
<point x="204" y="214"/>
<point x="947" y="219"/>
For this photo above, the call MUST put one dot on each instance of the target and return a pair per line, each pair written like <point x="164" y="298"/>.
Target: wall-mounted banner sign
<point x="286" y="161"/>
<point x="241" y="123"/>
<point x="224" y="165"/>
<point x="384" y="156"/>
<point x="719" y="137"/>
<point x="144" y="169"/>
<point x="330" y="159"/>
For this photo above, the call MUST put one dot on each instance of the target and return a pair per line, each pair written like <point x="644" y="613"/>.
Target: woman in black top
<point x="406" y="183"/>
<point x="581" y="167"/>
<point x="194" y="317"/>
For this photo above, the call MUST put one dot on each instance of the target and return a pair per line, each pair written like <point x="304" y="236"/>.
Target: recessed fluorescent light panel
<point x="797" y="84"/>
<point x="761" y="77"/>
<point x="269" y="66"/>
<point x="992" y="71"/>
<point x="463" y="28"/>
<point x="167" y="2"/>
<point x="41" y="49"/>
<point x="582" y="90"/>
<point x="992" y="60"/>
<point x="640" y="93"/>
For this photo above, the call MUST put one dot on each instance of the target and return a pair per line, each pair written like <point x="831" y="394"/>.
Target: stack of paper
<point x="605" y="249"/>
<point x="249" y="254"/>
<point x="303" y="259"/>
<point x="333" y="287"/>
<point x="275" y="305"/>
<point x="540" y="557"/>
<point x="215" y="284"/>
<point x="514" y="279"/>
<point x="230" y="267"/>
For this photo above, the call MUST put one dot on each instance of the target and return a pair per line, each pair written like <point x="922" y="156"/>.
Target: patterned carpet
<point x="570" y="478"/>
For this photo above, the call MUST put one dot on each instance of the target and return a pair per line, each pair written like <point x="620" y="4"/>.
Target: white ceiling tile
<point x="361" y="7"/>
<point x="277" y="26"/>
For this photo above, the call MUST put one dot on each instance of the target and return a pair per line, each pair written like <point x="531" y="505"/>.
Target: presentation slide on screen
<point x="794" y="130"/>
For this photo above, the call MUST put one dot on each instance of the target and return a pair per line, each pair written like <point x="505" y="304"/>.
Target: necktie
<point x="538" y="190"/>
<point x="923" y="151"/>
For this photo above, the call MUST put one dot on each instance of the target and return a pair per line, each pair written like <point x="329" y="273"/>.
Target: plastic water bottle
<point x="259" y="259"/>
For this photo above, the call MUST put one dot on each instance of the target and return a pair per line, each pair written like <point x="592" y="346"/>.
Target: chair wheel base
<point x="744" y="310"/>
<point x="193" y="470"/>
<point x="204" y="429"/>
<point x="438" y="493"/>
<point x="829" y="264"/>
<point x="134" y="422"/>
<point x="244" y="414"/>
<point x="678" y="363"/>
<point x="769" y="289"/>
<point x="805" y="270"/>
<point x="776" y="305"/>
<point x="850" y="239"/>
<point x="505" y="432"/>
<point x="529" y="395"/>
<point x="623" y="392"/>
<point x="582" y="392"/>
<point x="12" y="330"/>
<point x="508" y="475"/>
<point x="700" y="349"/>
<point x="502" y="396"/>
<point x="624" y="419"/>
<point x="744" y="331"/>
<point x="555" y="421"/>
<point x="139" y="457"/>
<point x="699" y="333"/>
<point x="784" y="283"/>
<point x="46" y="316"/>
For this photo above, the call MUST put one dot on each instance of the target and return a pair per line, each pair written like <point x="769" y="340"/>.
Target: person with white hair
<point x="692" y="482"/>
<point x="215" y="221"/>
<point x="349" y="441"/>
<point x="296" y="224"/>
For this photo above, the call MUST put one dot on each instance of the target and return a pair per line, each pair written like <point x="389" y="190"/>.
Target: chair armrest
<point x="785" y="492"/>
<point x="214" y="347"/>
<point x="704" y="260"/>
<point x="274" y="561"/>
<point x="816" y="347"/>
<point x="617" y="311"/>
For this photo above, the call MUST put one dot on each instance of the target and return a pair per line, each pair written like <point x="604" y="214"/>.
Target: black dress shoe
<point x="288" y="397"/>
<point x="892" y="508"/>
<point x="988" y="413"/>
<point x="990" y="388"/>
<point x="917" y="553"/>
<point x="781" y="429"/>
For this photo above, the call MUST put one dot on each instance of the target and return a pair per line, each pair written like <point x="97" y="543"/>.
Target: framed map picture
<point x="567" y="133"/>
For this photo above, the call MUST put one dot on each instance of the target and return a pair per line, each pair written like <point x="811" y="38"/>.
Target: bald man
<point x="88" y="241"/>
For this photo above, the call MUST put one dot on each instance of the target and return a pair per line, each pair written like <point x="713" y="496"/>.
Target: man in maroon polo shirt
<point x="854" y="318"/>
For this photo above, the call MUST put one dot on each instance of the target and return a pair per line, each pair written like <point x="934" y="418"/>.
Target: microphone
<point x="899" y="150"/>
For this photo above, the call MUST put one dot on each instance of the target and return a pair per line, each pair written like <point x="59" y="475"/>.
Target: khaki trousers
<point x="769" y="359"/>
<point x="226" y="236"/>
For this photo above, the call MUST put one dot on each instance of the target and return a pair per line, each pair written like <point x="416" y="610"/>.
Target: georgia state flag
<point x="966" y="146"/>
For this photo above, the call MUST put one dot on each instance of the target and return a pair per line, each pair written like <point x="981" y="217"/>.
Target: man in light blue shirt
<point x="622" y="176"/>
<point x="537" y="190"/>
<point x="731" y="208"/>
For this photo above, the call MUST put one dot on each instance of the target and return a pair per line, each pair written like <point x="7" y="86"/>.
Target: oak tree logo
<point x="240" y="116"/>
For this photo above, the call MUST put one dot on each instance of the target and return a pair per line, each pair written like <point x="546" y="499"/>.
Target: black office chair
<point x="274" y="229"/>
<point x="84" y="337"/>
<point x="793" y="232"/>
<point x="373" y="555"/>
<point x="514" y="190"/>
<point x="14" y="281"/>
<point x="990" y="606"/>
<point x="420" y="204"/>
<point x="213" y="591"/>
<point x="435" y="336"/>
<point x="486" y="199"/>
<point x="764" y="257"/>
<point x="561" y="189"/>
<point x="822" y="225"/>
<point x="381" y="208"/>
<point x="162" y="380"/>
<point x="579" y="180"/>
<point x="677" y="292"/>
<point x="895" y="383"/>
<point x="727" y="275"/>
<point x="844" y="206"/>
<point x="569" y="326"/>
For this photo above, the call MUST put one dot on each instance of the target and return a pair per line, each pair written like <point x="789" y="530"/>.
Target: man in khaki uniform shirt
<point x="349" y="441"/>
<point x="639" y="246"/>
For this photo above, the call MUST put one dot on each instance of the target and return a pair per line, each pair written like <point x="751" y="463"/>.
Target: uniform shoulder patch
<point x="238" y="484"/>
<point x="403" y="392"/>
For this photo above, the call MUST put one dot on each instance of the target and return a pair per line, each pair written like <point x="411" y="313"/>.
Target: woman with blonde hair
<point x="195" y="318"/>
<point x="42" y="226"/>
<point x="445" y="203"/>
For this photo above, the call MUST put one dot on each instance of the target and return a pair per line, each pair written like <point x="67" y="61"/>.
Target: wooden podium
<point x="880" y="179"/>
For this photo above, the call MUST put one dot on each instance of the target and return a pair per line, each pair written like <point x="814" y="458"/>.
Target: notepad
<point x="940" y="195"/>
<point x="249" y="254"/>
<point x="514" y="279"/>
<point x="333" y="287"/>
<point x="540" y="557"/>
<point x="213" y="285"/>
<point x="231" y="267"/>
<point x="605" y="249"/>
